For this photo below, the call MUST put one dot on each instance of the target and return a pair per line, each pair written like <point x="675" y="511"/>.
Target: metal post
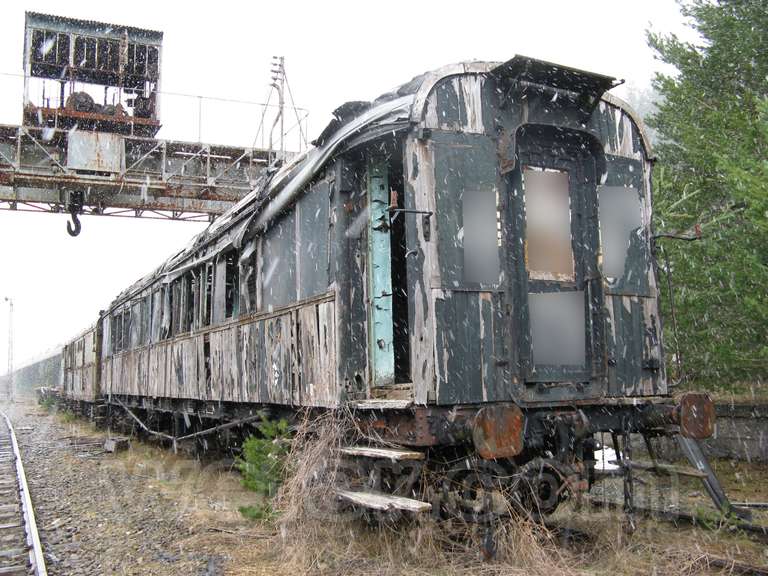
<point x="282" y="107"/>
<point x="199" y="119"/>
<point x="278" y="83"/>
<point x="10" y="348"/>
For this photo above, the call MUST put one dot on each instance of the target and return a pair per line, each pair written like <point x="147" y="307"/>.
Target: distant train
<point x="466" y="261"/>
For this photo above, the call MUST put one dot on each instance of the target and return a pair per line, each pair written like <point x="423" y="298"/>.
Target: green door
<point x="380" y="314"/>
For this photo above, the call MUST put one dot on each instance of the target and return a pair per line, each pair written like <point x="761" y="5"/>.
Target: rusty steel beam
<point x="191" y="181"/>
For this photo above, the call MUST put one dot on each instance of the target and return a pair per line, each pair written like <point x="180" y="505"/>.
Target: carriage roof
<point x="355" y="123"/>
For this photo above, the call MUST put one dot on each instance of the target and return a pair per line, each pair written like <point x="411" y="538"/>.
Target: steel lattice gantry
<point x="46" y="169"/>
<point x="86" y="144"/>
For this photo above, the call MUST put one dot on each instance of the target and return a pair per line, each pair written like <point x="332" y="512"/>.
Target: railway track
<point x="20" y="548"/>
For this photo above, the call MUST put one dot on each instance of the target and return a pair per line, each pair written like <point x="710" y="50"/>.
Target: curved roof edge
<point x="431" y="79"/>
<point x="635" y="117"/>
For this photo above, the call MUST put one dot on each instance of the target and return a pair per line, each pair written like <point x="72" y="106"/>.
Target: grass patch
<point x="47" y="404"/>
<point x="67" y="417"/>
<point x="258" y="512"/>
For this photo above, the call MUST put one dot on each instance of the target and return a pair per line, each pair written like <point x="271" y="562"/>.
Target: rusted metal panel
<point x="499" y="431"/>
<point x="249" y="361"/>
<point x="697" y="415"/>
<point x="95" y="151"/>
<point x="217" y="351"/>
<point x="347" y="276"/>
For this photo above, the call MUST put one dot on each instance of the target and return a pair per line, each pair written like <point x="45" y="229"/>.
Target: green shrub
<point x="47" y="403"/>
<point x="263" y="459"/>
<point x="258" y="512"/>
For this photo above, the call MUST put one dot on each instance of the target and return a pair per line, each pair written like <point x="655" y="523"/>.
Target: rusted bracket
<point x="426" y="215"/>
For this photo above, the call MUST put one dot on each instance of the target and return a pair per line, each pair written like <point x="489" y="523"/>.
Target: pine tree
<point x="712" y="125"/>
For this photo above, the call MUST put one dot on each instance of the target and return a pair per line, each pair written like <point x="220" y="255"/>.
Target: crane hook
<point x="76" y="221"/>
<point x="75" y="206"/>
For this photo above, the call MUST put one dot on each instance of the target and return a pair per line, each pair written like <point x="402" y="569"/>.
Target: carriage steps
<point x="393" y="454"/>
<point x="383" y="502"/>
<point x="377" y="500"/>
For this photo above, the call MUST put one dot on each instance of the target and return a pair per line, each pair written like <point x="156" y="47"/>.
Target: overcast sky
<point x="335" y="51"/>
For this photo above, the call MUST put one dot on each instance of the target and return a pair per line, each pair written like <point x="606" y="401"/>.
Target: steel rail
<point x="36" y="557"/>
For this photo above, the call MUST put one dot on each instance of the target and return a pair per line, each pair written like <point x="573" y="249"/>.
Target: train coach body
<point x="447" y="250"/>
<point x="470" y="255"/>
<point x="81" y="367"/>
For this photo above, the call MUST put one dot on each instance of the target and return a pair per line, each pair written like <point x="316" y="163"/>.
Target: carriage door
<point x="388" y="338"/>
<point x="557" y="225"/>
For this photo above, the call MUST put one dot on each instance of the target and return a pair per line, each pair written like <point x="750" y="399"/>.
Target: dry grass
<point x="313" y="536"/>
<point x="317" y="536"/>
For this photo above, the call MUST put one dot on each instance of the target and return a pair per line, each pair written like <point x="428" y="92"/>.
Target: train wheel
<point x="539" y="488"/>
<point x="472" y="489"/>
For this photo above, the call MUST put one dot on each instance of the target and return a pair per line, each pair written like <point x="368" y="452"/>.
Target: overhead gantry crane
<point x="87" y="142"/>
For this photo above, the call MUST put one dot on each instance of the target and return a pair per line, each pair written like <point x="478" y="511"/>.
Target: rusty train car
<point x="466" y="261"/>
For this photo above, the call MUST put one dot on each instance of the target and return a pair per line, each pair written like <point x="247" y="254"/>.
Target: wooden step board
<point x="662" y="469"/>
<point x="383" y="502"/>
<point x="381" y="453"/>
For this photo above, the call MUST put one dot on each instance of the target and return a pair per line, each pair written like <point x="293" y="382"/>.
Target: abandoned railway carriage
<point x="467" y="261"/>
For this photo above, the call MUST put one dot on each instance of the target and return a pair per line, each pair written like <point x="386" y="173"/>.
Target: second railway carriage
<point x="467" y="260"/>
<point x="81" y="368"/>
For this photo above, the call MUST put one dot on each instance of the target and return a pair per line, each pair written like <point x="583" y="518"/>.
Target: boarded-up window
<point x="248" y="274"/>
<point x="278" y="277"/>
<point x="135" y="324"/>
<point x="189" y="285"/>
<point x="126" y="328"/>
<point x="107" y="335"/>
<point x="467" y="216"/>
<point x="117" y="331"/>
<point x="157" y="314"/>
<point x="481" y="249"/>
<point x="165" y="323"/>
<point x="146" y="312"/>
<point x="207" y="295"/>
<point x="548" y="250"/>
<point x="620" y="228"/>
<point x="232" y="285"/>
<point x="557" y="328"/>
<point x="175" y="307"/>
<point x="313" y="241"/>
